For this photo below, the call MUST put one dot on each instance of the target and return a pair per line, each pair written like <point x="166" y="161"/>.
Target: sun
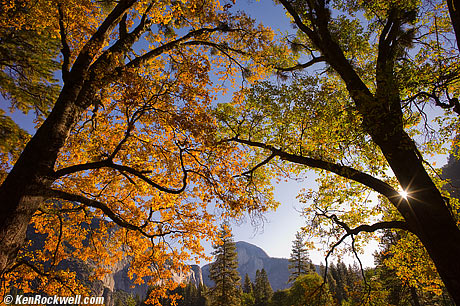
<point x="403" y="194"/>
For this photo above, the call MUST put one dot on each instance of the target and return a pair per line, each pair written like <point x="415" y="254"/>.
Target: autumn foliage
<point x="128" y="165"/>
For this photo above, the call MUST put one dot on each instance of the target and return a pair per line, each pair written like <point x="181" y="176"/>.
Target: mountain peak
<point x="246" y="251"/>
<point x="252" y="258"/>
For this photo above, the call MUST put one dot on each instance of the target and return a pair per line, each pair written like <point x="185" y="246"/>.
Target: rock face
<point x="451" y="171"/>
<point x="194" y="276"/>
<point x="117" y="286"/>
<point x="252" y="258"/>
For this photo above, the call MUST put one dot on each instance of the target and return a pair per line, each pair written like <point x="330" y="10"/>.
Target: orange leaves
<point x="143" y="172"/>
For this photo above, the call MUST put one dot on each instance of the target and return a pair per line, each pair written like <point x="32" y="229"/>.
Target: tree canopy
<point x="125" y="162"/>
<point x="354" y="108"/>
<point x="130" y="160"/>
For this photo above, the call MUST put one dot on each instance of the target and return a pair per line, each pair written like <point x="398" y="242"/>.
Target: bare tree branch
<point x="110" y="164"/>
<point x="300" y="66"/>
<point x="344" y="171"/>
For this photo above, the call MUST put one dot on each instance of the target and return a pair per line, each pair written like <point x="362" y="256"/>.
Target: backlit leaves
<point x="142" y="176"/>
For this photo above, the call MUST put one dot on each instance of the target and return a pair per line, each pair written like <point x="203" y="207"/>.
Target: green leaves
<point x="27" y="66"/>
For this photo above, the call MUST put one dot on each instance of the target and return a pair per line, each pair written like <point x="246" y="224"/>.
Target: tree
<point x="128" y="140"/>
<point x="299" y="263"/>
<point x="224" y="272"/>
<point x="405" y="288"/>
<point x="309" y="290"/>
<point x="280" y="298"/>
<point x="202" y="295"/>
<point x="247" y="297"/>
<point x="356" y="119"/>
<point x="455" y="18"/>
<point x="262" y="289"/>
<point x="247" y="285"/>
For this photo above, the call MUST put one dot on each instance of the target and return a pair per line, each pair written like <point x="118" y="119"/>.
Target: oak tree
<point x="124" y="162"/>
<point x="364" y="74"/>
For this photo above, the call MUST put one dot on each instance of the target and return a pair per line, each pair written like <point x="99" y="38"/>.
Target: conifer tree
<point x="262" y="289"/>
<point x="299" y="263"/>
<point x="224" y="271"/>
<point x="247" y="285"/>
<point x="202" y="295"/>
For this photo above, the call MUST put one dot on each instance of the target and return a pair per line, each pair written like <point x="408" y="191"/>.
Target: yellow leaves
<point x="413" y="265"/>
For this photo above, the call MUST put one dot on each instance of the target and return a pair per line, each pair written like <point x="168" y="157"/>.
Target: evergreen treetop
<point x="299" y="263"/>
<point x="262" y="289"/>
<point x="224" y="272"/>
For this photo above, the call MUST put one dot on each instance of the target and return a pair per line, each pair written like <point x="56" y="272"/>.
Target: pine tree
<point x="299" y="263"/>
<point x="262" y="289"/>
<point x="202" y="295"/>
<point x="247" y="285"/>
<point x="224" y="271"/>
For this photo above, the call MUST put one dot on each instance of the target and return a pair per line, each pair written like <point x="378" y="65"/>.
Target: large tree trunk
<point x="426" y="211"/>
<point x="32" y="172"/>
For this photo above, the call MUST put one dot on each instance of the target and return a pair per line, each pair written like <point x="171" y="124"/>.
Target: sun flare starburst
<point x="403" y="194"/>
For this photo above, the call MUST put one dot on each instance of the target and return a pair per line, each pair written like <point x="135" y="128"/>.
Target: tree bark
<point x="425" y="210"/>
<point x="32" y="172"/>
<point x="454" y="12"/>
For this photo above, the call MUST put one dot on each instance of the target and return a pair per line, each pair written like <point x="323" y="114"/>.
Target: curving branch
<point x="344" y="171"/>
<point x="262" y="163"/>
<point x="352" y="232"/>
<point x="452" y="104"/>
<point x="108" y="163"/>
<point x="221" y="47"/>
<point x="22" y="262"/>
<point x="138" y="61"/>
<point x="300" y="66"/>
<point x="402" y="225"/>
<point x="60" y="194"/>
<point x="65" y="46"/>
